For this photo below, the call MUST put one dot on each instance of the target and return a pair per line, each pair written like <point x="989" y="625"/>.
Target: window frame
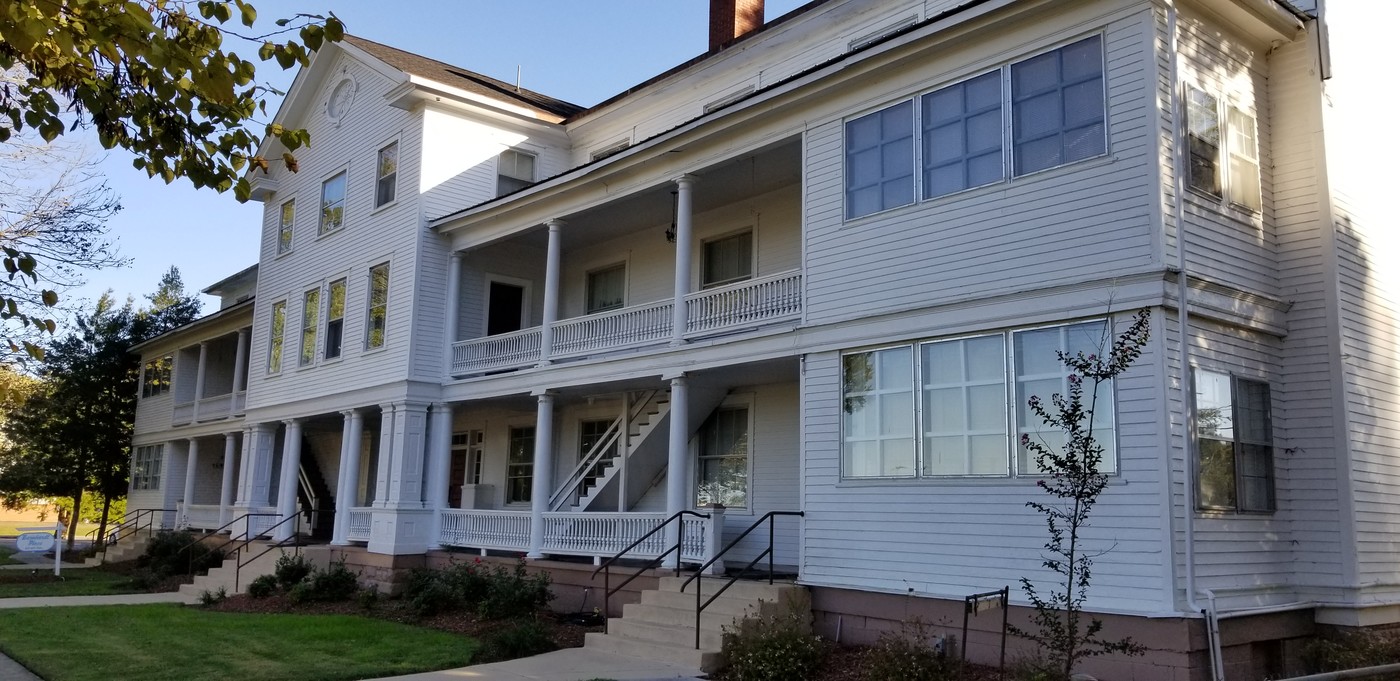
<point x="1228" y="185"/>
<point x="704" y="253"/>
<point x="732" y="403"/>
<point x="500" y="174"/>
<point x="286" y="221"/>
<point x="513" y="468"/>
<point x="371" y="305"/>
<point x="1013" y="399"/>
<point x="310" y="326"/>
<point x="1237" y="443"/>
<point x="156" y="376"/>
<point x="588" y="287"/>
<point x="276" y="343"/>
<point x="380" y="176"/>
<point x="147" y="467"/>
<point x="344" y="176"/>
<point x="335" y="326"/>
<point x="1008" y="129"/>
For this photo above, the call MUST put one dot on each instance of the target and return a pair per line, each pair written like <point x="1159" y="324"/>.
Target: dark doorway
<point x="505" y="305"/>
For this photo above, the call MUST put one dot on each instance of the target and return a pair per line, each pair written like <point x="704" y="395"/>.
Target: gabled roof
<point x="458" y="77"/>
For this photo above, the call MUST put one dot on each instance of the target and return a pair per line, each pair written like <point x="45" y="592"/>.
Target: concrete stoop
<point x="662" y="626"/>
<point x="129" y="548"/>
<point x="224" y="576"/>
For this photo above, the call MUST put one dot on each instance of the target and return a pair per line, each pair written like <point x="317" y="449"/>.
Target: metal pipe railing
<point x="606" y="567"/>
<point x="768" y="552"/>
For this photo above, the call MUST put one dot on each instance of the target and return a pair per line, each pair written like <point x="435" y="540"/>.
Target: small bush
<point x="335" y="583"/>
<point x="773" y="648"/>
<point x="263" y="586"/>
<point x="495" y="592"/>
<point x="209" y="598"/>
<point x="291" y="569"/>
<point x="166" y="555"/>
<point x="521" y="638"/>
<point x="1351" y="650"/>
<point x="514" y="593"/>
<point x="909" y="654"/>
<point x="368" y="598"/>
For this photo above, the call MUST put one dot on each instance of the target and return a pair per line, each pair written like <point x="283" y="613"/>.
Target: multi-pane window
<point x="723" y="475"/>
<point x="607" y="288"/>
<point x="155" y="376"/>
<point x="332" y="204"/>
<point x="146" y="467"/>
<point x="965" y="398"/>
<point x="467" y="447"/>
<point x="515" y="170"/>
<point x="880" y="160"/>
<point x="726" y="260"/>
<point x="310" y="319"/>
<point x="1057" y="115"/>
<point x="962" y="141"/>
<point x="1234" y="439"/>
<point x="386" y="175"/>
<point x="274" y="341"/>
<point x="335" y="318"/>
<point x="284" y="228"/>
<point x="1057" y="106"/>
<point x="1213" y="130"/>
<point x="520" y="464"/>
<point x="378" y="306"/>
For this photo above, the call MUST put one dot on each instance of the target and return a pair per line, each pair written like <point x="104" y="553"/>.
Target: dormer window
<point x="515" y="170"/>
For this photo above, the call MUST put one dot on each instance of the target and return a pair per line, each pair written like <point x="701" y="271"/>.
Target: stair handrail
<point x="611" y="436"/>
<point x="294" y="541"/>
<point x="133" y="524"/>
<point x="699" y="582"/>
<point x="606" y="567"/>
<point x="304" y="483"/>
<point x="232" y="538"/>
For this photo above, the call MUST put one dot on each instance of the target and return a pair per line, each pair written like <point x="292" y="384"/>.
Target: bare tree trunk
<point x="100" y="540"/>
<point x="77" y="513"/>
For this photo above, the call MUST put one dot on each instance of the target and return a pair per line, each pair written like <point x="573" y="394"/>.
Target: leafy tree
<point x="1075" y="483"/>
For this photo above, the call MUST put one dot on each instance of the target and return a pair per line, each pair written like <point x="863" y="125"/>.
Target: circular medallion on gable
<point x="340" y="100"/>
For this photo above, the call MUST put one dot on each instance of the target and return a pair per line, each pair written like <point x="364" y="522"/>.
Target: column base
<point x="401" y="531"/>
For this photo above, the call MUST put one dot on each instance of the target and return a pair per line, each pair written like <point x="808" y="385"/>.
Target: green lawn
<point x="5" y="558"/>
<point x="177" y="643"/>
<point x="75" y="582"/>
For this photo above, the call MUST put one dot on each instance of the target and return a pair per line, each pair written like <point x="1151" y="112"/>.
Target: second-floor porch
<point x="716" y="252"/>
<point x="210" y="380"/>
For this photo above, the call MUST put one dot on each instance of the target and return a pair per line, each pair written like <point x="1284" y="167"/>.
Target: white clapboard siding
<point x="1085" y="220"/>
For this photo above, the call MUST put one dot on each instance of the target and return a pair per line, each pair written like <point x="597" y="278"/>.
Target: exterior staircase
<point x="662" y="626"/>
<point x="129" y="548"/>
<point x="650" y="416"/>
<point x="223" y="577"/>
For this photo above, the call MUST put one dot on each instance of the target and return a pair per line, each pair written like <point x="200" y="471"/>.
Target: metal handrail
<point x="243" y="537"/>
<point x="606" y="567"/>
<point x="133" y="524"/>
<point x="295" y="540"/>
<point x="699" y="582"/>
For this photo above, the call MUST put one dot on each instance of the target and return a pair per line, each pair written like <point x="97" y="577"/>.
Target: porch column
<point x="244" y="490"/>
<point x="386" y="450"/>
<point x="540" y="479"/>
<point x="439" y="463"/>
<point x="287" y="487"/>
<point x="226" y="488"/>
<point x="409" y="441"/>
<point x="191" y="463"/>
<point x="348" y="482"/>
<point x="685" y="185"/>
<point x="679" y="450"/>
<point x="240" y="370"/>
<point x="256" y="474"/>
<point x="199" y="377"/>
<point x="454" y="295"/>
<point x="551" y="291"/>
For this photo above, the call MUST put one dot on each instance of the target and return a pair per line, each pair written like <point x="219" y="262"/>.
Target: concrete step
<point x="724" y="605"/>
<point x="710" y="639"/>
<point x="677" y="617"/>
<point x="686" y="656"/>
<point x="747" y="589"/>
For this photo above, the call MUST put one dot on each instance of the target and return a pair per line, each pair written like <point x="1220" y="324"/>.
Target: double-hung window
<point x="520" y="465"/>
<point x="155" y="376"/>
<point x="386" y="175"/>
<point x="606" y="288"/>
<point x="723" y="475"/>
<point x="378" y="312"/>
<point x="333" y="204"/>
<point x="1234" y="442"/>
<point x="275" y="335"/>
<point x="957" y="407"/>
<point x="726" y="260"/>
<point x="1038" y="113"/>
<point x="146" y="467"/>
<point x="284" y="227"/>
<point x="335" y="318"/>
<point x="515" y="170"/>
<point x="310" y="319"/>
<point x="1222" y="149"/>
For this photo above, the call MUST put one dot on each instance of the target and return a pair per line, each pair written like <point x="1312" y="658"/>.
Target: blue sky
<point x="582" y="52"/>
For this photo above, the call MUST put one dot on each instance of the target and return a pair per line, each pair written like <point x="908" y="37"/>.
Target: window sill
<point x="384" y="207"/>
<point x="327" y="235"/>
<point x="374" y="351"/>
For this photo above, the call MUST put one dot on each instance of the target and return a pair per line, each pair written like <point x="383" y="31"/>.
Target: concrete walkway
<point x="14" y="671"/>
<point x="105" y="599"/>
<point x="570" y="664"/>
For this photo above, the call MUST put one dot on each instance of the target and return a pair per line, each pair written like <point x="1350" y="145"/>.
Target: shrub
<point x="514" y="592"/>
<point x="495" y="592"/>
<point x="263" y="586"/>
<point x="773" y="648"/>
<point x="291" y="569"/>
<point x="368" y="598"/>
<point x="166" y="555"/>
<point x="521" y="638"/>
<point x="209" y="598"/>
<point x="1351" y="650"/>
<point x="908" y="654"/>
<point x="335" y="583"/>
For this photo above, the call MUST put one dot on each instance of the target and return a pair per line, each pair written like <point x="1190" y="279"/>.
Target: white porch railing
<point x="767" y="300"/>
<point x="240" y="401"/>
<point x="361" y="521"/>
<point x="202" y="516"/>
<point x="624" y="328"/>
<point x="478" y="529"/>
<point x="216" y="408"/>
<point x="747" y="303"/>
<point x="182" y="414"/>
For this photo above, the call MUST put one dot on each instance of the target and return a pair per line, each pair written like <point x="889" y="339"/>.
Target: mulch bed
<point x="564" y="633"/>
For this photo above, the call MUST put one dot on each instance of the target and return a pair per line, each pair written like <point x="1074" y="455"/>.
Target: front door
<point x="505" y="308"/>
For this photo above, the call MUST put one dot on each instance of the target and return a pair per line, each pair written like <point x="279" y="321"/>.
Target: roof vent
<point x="732" y="19"/>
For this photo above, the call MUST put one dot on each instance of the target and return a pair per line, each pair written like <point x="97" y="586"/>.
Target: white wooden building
<point x="821" y="268"/>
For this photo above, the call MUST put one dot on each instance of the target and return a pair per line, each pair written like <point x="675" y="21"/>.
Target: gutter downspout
<point x="1183" y="337"/>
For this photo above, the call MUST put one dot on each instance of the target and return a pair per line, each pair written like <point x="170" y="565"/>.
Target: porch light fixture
<point x="671" y="231"/>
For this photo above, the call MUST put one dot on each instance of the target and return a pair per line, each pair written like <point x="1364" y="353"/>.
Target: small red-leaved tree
<point x="1075" y="482"/>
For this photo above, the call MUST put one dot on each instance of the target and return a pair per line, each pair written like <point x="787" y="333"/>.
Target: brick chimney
<point x="730" y="19"/>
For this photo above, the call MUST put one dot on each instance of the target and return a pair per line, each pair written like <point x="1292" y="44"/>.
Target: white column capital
<point x="292" y="423"/>
<point x="685" y="179"/>
<point x="555" y="224"/>
<point x="542" y="393"/>
<point x="674" y="376"/>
